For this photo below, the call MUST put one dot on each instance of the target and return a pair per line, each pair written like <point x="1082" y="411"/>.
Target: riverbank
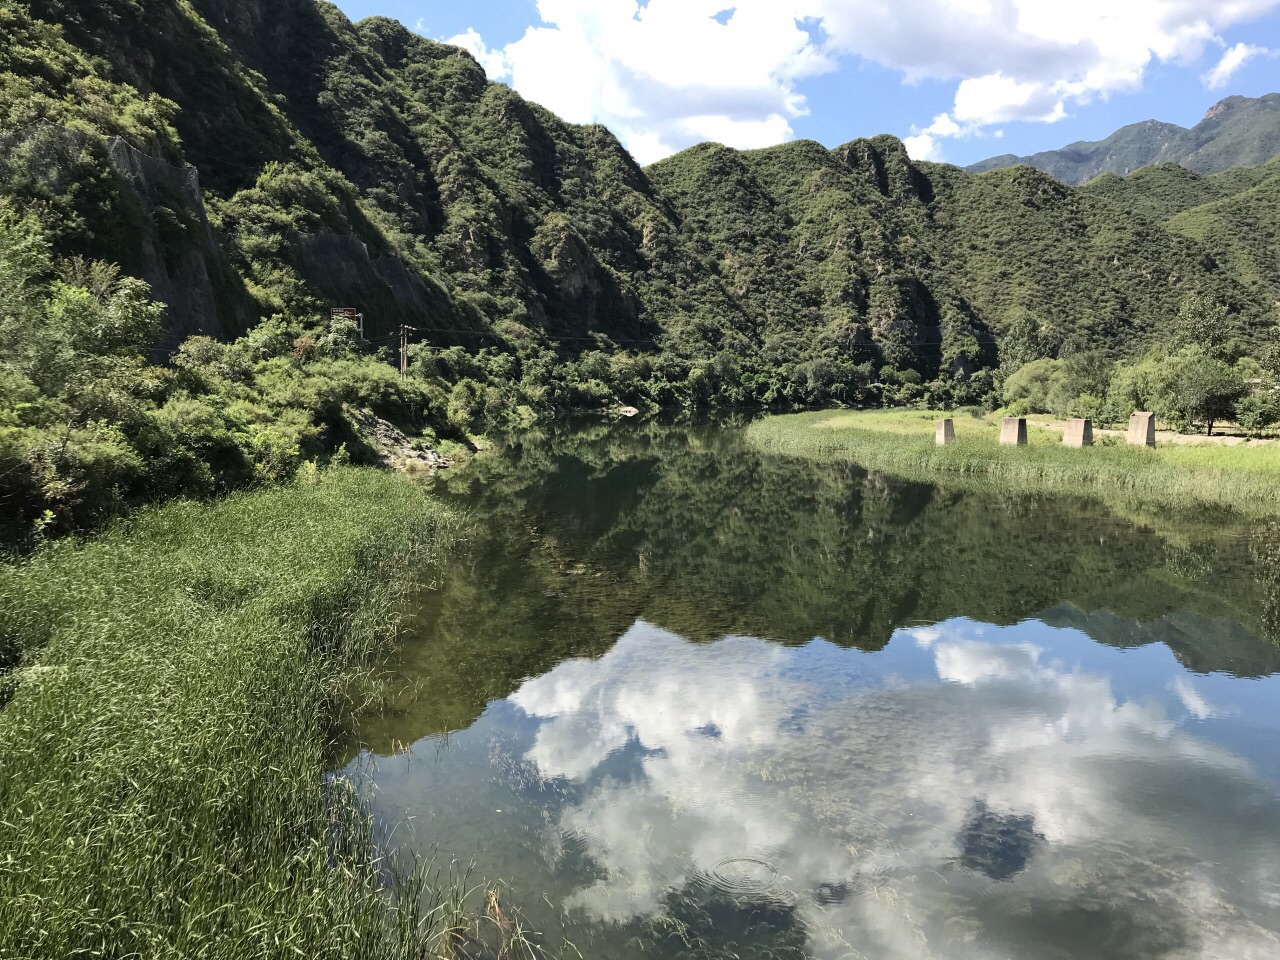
<point x="1241" y="478"/>
<point x="165" y="732"/>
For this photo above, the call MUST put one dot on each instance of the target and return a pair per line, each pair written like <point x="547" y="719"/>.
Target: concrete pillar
<point x="946" y="432"/>
<point x="1142" y="430"/>
<point x="1013" y="432"/>
<point x="1078" y="433"/>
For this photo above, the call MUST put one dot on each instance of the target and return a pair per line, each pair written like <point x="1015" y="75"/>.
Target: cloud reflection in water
<point x="985" y="800"/>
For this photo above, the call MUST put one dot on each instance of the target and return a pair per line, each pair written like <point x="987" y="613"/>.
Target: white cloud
<point x="999" y="99"/>
<point x="943" y="126"/>
<point x="665" y="73"/>
<point x="1030" y="60"/>
<point x="669" y="74"/>
<point x="1193" y="700"/>
<point x="972" y="663"/>
<point x="494" y="62"/>
<point x="924" y="144"/>
<point x="925" y="637"/>
<point x="1235" y="58"/>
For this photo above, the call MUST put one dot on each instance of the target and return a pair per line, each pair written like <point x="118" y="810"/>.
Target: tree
<point x="1269" y="356"/>
<point x="1201" y="387"/>
<point x="25" y="262"/>
<point x="1202" y="322"/>
<point x="1031" y="385"/>
<point x="1026" y="339"/>
<point x="1259" y="406"/>
<point x="1257" y="410"/>
<point x="1136" y="386"/>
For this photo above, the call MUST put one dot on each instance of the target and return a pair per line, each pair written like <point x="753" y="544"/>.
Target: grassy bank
<point x="164" y="732"/>
<point x="1244" y="479"/>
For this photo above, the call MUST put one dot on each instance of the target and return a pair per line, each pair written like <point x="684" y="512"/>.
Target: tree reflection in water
<point x="922" y="782"/>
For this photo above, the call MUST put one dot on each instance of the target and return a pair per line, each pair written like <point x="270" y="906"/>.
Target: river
<point x="688" y="701"/>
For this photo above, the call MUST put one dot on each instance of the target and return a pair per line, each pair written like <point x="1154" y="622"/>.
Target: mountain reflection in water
<point x="1072" y="785"/>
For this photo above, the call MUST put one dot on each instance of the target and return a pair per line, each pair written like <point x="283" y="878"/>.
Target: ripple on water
<point x="742" y="876"/>
<point x="587" y="842"/>
<point x="833" y="893"/>
<point x="575" y="843"/>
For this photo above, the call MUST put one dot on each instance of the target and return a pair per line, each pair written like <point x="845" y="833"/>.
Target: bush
<point x="1035" y="386"/>
<point x="1258" y="410"/>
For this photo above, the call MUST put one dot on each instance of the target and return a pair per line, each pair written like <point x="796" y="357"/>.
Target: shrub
<point x="1258" y="410"/>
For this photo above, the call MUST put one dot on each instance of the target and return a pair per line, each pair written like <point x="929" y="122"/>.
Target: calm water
<point x="687" y="701"/>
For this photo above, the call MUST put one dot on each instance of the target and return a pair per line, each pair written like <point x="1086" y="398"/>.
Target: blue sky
<point x="960" y="80"/>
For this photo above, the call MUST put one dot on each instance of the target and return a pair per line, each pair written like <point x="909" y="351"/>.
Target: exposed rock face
<point x="1217" y="110"/>
<point x="569" y="263"/>
<point x="178" y="272"/>
<point x="159" y="229"/>
<point x="394" y="447"/>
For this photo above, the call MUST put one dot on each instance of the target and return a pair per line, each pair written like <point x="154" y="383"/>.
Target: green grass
<point x="1239" y="478"/>
<point x="171" y="694"/>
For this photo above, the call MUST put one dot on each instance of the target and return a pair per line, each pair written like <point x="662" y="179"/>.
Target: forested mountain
<point x="257" y="163"/>
<point x="364" y="164"/>
<point x="1234" y="214"/>
<point x="1235" y="132"/>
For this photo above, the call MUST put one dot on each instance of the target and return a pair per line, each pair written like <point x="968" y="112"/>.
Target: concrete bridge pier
<point x="1078" y="433"/>
<point x="1142" y="430"/>
<point x="946" y="432"/>
<point x="1013" y="432"/>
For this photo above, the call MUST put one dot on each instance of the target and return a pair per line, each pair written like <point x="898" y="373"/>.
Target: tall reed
<point x="170" y="691"/>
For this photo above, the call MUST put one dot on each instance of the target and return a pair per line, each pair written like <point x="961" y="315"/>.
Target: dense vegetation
<point x="166" y="728"/>
<point x="89" y="427"/>
<point x="1231" y="214"/>
<point x="257" y="164"/>
<point x="1195" y="379"/>
<point x="1235" y="132"/>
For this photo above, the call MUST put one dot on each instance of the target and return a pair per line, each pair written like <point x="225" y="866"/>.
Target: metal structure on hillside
<point x="349" y="313"/>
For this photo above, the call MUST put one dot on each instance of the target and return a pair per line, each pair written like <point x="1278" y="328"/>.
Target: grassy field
<point x="1241" y="478"/>
<point x="169" y="693"/>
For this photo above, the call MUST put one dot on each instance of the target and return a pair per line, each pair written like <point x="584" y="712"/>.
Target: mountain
<point x="251" y="159"/>
<point x="1235" y="132"/>
<point x="1234" y="214"/>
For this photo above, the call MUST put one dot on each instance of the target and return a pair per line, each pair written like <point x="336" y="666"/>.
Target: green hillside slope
<point x="257" y="163"/>
<point x="1234" y="215"/>
<point x="1243" y="228"/>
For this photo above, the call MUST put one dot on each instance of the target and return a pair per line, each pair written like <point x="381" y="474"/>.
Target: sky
<point x="958" y="80"/>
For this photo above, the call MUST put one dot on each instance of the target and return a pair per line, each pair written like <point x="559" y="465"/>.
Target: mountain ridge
<point x="258" y="164"/>
<point x="1235" y="132"/>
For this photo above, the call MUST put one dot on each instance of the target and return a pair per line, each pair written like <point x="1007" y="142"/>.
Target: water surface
<point x="689" y="701"/>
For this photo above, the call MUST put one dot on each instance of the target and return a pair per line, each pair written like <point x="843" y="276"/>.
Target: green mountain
<point x="1234" y="215"/>
<point x="249" y="159"/>
<point x="1235" y="132"/>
